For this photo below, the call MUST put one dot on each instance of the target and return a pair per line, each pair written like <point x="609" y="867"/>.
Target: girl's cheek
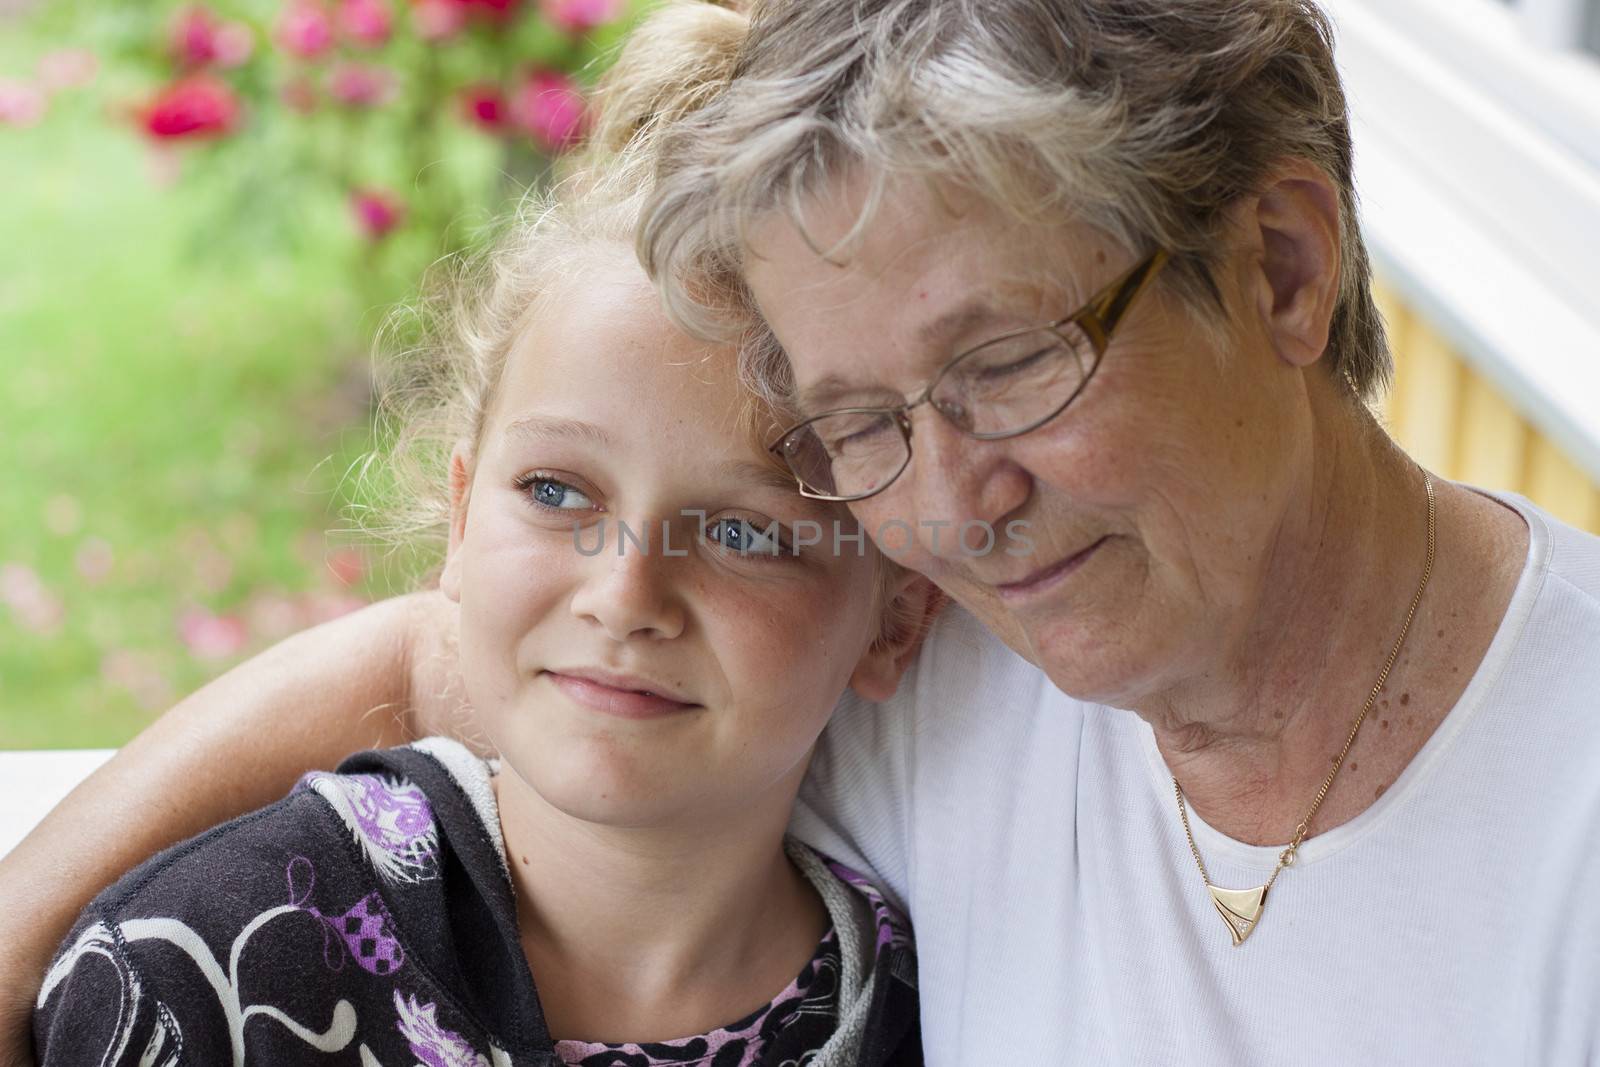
<point x="795" y="623"/>
<point x="512" y="575"/>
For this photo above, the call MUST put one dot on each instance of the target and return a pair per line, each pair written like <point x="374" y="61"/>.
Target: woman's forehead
<point x="914" y="287"/>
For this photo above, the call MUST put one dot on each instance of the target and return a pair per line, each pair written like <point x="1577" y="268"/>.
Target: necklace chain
<point x="1286" y="857"/>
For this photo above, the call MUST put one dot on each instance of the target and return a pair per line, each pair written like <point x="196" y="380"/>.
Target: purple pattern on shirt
<point x="365" y="929"/>
<point x="810" y="997"/>
<point x="432" y="1044"/>
<point x="390" y="817"/>
<point x="892" y="929"/>
<point x="366" y="934"/>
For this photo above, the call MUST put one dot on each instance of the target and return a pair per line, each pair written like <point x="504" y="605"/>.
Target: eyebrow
<point x="932" y="336"/>
<point x="827" y="392"/>
<point x="955" y="322"/>
<point x="549" y="428"/>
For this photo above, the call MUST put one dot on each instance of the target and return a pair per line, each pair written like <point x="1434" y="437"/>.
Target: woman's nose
<point x="958" y="487"/>
<point x="627" y="588"/>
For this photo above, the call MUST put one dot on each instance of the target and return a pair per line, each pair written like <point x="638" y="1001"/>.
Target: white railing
<point x="1478" y="162"/>
<point x="31" y="783"/>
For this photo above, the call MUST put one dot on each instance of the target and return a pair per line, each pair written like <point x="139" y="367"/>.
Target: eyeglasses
<point x="1003" y="388"/>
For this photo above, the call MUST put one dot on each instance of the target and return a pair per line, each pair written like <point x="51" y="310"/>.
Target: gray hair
<point x="1144" y="118"/>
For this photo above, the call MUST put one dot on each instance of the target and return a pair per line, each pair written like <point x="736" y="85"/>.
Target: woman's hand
<point x="380" y="676"/>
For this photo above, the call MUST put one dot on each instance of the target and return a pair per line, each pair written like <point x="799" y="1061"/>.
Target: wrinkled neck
<point x="1251" y="739"/>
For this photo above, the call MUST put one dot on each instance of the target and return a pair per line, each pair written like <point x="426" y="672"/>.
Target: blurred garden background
<point x="205" y="213"/>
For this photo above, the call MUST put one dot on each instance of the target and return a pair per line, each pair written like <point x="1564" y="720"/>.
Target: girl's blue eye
<point x="745" y="538"/>
<point x="550" y="493"/>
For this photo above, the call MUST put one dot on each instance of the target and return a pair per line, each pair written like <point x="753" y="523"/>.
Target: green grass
<point x="191" y="408"/>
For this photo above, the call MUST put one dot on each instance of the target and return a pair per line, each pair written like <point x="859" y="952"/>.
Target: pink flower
<point x="67" y="68"/>
<point x="199" y="39"/>
<point x="304" y="29"/>
<point x="21" y="104"/>
<point x="580" y="16"/>
<point x="485" y="107"/>
<point x="209" y="636"/>
<point x="193" y="37"/>
<point x="549" y="106"/>
<point x="436" y="20"/>
<point x="194" y="107"/>
<point x="366" y="23"/>
<point x="361" y="86"/>
<point x="377" y="211"/>
<point x="493" y="10"/>
<point x="233" y="44"/>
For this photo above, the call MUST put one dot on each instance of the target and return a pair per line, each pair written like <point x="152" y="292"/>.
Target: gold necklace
<point x="1241" y="908"/>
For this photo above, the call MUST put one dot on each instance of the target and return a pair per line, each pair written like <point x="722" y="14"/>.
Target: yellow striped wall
<point x="1456" y="424"/>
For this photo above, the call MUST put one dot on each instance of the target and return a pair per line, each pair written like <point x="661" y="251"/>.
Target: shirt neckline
<point x="1529" y="584"/>
<point x="807" y="996"/>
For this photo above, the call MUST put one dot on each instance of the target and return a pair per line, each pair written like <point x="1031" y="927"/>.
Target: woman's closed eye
<point x="751" y="538"/>
<point x="1035" y="356"/>
<point x="1028" y="361"/>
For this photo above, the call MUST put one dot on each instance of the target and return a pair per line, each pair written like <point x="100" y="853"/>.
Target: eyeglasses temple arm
<point x="1117" y="302"/>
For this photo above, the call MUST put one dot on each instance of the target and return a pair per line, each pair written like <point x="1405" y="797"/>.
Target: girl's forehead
<point x="604" y="355"/>
<point x="616" y="345"/>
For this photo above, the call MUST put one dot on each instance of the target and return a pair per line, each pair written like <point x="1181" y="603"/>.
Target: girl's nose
<point x="628" y="591"/>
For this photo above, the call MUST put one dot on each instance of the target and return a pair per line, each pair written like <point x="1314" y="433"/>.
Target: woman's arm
<point x="379" y="676"/>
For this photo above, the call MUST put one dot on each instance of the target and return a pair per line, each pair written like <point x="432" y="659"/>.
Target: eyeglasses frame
<point x="1098" y="319"/>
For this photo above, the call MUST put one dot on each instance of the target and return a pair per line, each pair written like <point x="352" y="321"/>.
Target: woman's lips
<point x="1047" y="577"/>
<point x="613" y="700"/>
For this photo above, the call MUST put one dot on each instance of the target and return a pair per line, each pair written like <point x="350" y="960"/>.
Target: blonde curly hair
<point x="438" y="387"/>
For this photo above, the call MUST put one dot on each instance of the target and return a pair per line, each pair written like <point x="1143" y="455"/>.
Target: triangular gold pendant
<point x="1239" y="908"/>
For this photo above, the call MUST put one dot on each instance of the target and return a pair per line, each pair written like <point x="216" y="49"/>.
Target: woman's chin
<point x="1101" y="663"/>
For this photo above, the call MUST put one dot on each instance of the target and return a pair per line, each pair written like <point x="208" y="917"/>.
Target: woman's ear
<point x="1292" y="229"/>
<point x="461" y="466"/>
<point x="913" y="602"/>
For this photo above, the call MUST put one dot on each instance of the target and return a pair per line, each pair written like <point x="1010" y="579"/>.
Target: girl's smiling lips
<point x="623" y="695"/>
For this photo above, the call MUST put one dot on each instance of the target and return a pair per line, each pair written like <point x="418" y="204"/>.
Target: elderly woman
<point x="1255" y="741"/>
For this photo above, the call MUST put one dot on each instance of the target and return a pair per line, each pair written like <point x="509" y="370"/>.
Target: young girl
<point x="651" y="650"/>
